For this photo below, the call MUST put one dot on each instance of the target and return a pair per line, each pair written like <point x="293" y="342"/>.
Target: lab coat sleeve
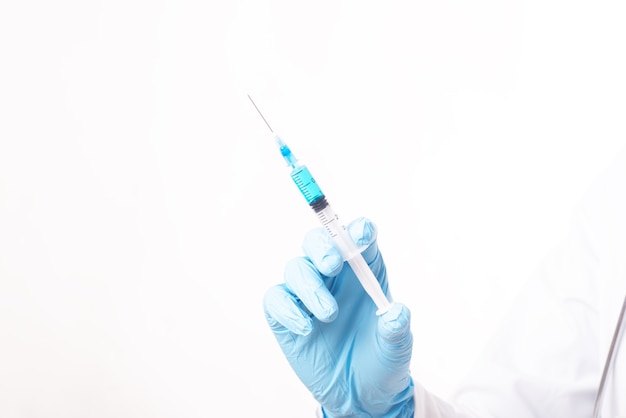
<point x="427" y="405"/>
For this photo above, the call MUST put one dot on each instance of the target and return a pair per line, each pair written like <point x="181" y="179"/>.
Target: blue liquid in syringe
<point x="300" y="175"/>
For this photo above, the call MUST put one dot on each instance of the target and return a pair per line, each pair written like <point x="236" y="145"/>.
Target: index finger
<point x="319" y="247"/>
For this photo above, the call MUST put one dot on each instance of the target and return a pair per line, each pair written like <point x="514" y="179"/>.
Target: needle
<point x="257" y="109"/>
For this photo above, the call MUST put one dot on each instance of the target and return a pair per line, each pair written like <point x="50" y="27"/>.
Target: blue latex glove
<point x="354" y="362"/>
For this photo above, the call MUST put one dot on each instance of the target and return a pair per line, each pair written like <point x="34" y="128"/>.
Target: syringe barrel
<point x="303" y="178"/>
<point x="330" y="221"/>
<point x="314" y="196"/>
<point x="352" y="254"/>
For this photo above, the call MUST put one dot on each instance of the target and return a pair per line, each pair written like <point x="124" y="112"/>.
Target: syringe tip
<point x="285" y="151"/>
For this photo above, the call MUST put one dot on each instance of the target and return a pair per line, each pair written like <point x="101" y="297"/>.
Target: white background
<point x="144" y="208"/>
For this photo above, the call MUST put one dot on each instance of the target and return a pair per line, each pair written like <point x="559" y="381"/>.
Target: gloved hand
<point x="354" y="362"/>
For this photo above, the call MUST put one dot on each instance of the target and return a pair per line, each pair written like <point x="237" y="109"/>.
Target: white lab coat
<point x="548" y="358"/>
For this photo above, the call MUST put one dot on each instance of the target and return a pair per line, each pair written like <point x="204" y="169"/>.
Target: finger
<point x="364" y="233"/>
<point x="283" y="310"/>
<point x="320" y="248"/>
<point x="395" y="340"/>
<point x="306" y="282"/>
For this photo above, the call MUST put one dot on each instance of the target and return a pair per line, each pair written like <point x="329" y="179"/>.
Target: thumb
<point x="395" y="341"/>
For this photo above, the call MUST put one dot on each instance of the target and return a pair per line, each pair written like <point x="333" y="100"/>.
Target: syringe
<point x="311" y="191"/>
